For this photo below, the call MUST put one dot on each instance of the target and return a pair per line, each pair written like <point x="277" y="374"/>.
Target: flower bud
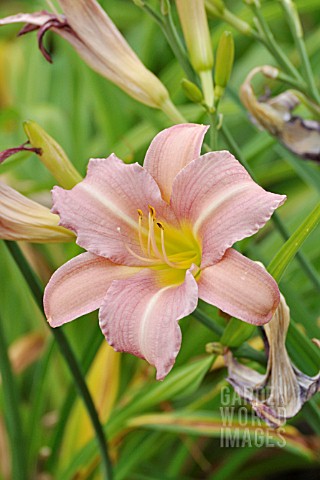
<point x="196" y="32"/>
<point x="224" y="63"/>
<point x="195" y="28"/>
<point x="52" y="155"/>
<point x="22" y="219"/>
<point x="192" y="91"/>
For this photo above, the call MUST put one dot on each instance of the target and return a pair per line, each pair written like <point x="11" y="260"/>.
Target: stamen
<point x="151" y="236"/>
<point x="164" y="253"/>
<point x="144" y="259"/>
<point x="140" y="213"/>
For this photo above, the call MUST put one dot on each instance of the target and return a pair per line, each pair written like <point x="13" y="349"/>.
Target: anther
<point x="140" y="213"/>
<point x="152" y="211"/>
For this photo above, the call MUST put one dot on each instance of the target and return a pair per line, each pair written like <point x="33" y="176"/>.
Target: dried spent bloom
<point x="87" y="27"/>
<point x="24" y="219"/>
<point x="275" y="115"/>
<point x="282" y="391"/>
<point x="157" y="238"/>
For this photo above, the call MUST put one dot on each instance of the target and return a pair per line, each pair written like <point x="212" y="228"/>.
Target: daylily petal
<point x="79" y="287"/>
<point x="140" y="316"/>
<point x="216" y="195"/>
<point x="102" y="209"/>
<point x="26" y="220"/>
<point x="170" y="151"/>
<point x="240" y="287"/>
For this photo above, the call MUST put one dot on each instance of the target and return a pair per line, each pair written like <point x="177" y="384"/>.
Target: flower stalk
<point x="292" y="16"/>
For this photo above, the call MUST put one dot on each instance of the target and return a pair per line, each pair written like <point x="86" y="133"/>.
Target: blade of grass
<point x="12" y="413"/>
<point x="288" y="251"/>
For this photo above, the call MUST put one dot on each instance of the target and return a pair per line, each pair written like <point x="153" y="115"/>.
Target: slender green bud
<point x="196" y="32"/>
<point x="52" y="155"/>
<point x="224" y="62"/>
<point x="192" y="91"/>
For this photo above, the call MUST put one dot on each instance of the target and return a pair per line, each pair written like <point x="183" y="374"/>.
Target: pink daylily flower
<point x="158" y="238"/>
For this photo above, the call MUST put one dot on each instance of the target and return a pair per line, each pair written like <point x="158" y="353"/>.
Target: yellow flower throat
<point x="163" y="246"/>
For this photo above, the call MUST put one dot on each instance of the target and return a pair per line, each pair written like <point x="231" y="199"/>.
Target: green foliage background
<point x="90" y="117"/>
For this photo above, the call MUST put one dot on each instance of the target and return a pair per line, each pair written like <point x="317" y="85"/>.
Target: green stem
<point x="293" y="19"/>
<point x="11" y="413"/>
<point x="69" y="357"/>
<point x="167" y="26"/>
<point x="229" y="17"/>
<point x="170" y="110"/>
<point x="207" y="321"/>
<point x="244" y="351"/>
<point x="273" y="47"/>
<point x="264" y="36"/>
<point x="292" y="82"/>
<point x="304" y="262"/>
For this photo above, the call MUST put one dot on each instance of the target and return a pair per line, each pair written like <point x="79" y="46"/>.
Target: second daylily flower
<point x="90" y="31"/>
<point x="158" y="237"/>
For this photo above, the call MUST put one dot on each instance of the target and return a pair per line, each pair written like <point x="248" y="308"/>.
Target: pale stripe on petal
<point x="103" y="209"/>
<point x="79" y="287"/>
<point x="140" y="316"/>
<point x="170" y="151"/>
<point x="217" y="197"/>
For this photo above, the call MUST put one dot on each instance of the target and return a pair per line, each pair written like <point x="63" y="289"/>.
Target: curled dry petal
<point x="24" y="219"/>
<point x="12" y="151"/>
<point x="275" y="115"/>
<point x="282" y="391"/>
